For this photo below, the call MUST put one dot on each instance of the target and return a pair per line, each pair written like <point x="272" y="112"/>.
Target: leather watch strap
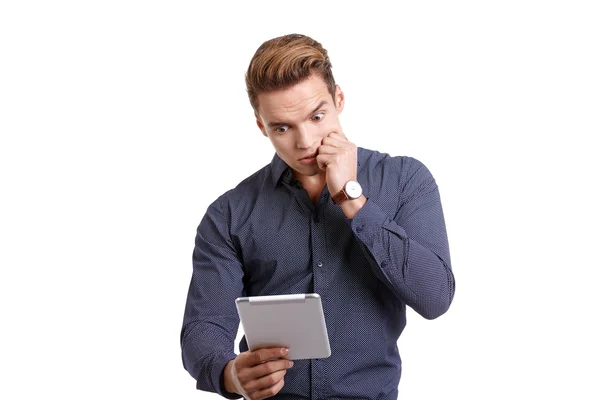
<point x="340" y="197"/>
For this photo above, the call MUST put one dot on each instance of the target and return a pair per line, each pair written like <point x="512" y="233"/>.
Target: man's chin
<point x="308" y="170"/>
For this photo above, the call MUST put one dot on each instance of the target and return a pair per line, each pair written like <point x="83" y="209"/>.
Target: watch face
<point x="353" y="189"/>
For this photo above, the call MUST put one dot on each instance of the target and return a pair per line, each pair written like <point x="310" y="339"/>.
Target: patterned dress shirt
<point x="266" y="237"/>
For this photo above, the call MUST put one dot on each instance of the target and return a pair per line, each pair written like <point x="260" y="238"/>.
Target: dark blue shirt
<point x="266" y="237"/>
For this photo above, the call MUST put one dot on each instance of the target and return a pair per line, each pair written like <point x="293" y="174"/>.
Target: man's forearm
<point x="352" y="207"/>
<point x="415" y="273"/>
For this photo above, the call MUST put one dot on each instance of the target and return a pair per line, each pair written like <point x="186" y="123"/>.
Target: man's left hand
<point x="337" y="156"/>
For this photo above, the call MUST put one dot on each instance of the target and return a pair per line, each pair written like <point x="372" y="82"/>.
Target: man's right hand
<point x="258" y="374"/>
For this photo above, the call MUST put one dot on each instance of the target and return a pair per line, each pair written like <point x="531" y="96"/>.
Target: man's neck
<point x="313" y="184"/>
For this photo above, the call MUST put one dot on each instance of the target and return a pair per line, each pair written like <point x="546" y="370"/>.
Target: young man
<point x="362" y="229"/>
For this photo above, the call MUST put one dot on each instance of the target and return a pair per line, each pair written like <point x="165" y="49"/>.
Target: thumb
<point x="322" y="166"/>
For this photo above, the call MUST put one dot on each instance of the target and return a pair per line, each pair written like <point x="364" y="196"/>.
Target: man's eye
<point x="319" y="115"/>
<point x="281" y="129"/>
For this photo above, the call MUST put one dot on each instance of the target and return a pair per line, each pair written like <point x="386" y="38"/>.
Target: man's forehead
<point x="283" y="114"/>
<point x="283" y="107"/>
<point x="300" y="98"/>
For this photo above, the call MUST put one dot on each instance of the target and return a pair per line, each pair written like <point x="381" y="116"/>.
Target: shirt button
<point x="319" y="264"/>
<point x="359" y="229"/>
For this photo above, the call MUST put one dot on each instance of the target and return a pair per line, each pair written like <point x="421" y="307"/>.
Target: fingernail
<point x="284" y="351"/>
<point x="291" y="364"/>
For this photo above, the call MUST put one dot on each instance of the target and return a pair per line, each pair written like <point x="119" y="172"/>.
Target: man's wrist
<point x="227" y="378"/>
<point x="351" y="207"/>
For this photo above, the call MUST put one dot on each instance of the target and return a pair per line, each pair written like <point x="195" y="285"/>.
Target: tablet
<point x="294" y="321"/>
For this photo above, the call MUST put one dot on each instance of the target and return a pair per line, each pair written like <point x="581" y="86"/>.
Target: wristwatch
<point x="352" y="190"/>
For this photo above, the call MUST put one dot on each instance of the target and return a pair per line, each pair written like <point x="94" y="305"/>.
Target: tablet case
<point x="294" y="321"/>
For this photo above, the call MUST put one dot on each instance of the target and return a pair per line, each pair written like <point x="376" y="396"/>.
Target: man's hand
<point x="258" y="374"/>
<point x="338" y="157"/>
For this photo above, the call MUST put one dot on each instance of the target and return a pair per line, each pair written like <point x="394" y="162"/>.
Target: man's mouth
<point x="313" y="155"/>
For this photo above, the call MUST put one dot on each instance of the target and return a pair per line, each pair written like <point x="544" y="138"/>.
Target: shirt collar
<point x="278" y="166"/>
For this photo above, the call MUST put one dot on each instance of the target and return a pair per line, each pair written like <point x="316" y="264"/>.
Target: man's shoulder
<point x="248" y="188"/>
<point x="254" y="181"/>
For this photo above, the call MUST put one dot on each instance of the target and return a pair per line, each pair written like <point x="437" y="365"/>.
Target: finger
<point x="269" y="392"/>
<point x="262" y="355"/>
<point x="334" y="140"/>
<point x="327" y="149"/>
<point x="264" y="369"/>
<point x="323" y="160"/>
<point x="338" y="136"/>
<point x="264" y="382"/>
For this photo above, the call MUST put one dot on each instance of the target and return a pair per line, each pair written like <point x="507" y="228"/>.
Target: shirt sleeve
<point x="211" y="321"/>
<point x="409" y="251"/>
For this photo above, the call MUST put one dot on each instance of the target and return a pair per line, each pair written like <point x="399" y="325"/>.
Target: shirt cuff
<point x="368" y="222"/>
<point x="217" y="377"/>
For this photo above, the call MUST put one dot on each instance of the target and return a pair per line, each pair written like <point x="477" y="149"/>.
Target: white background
<point x="121" y="121"/>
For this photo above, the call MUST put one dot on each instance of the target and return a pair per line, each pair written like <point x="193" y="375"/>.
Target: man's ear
<point x="339" y="99"/>
<point x="260" y="125"/>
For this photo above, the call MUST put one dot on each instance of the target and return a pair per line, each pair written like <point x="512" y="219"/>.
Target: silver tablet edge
<point x="306" y="296"/>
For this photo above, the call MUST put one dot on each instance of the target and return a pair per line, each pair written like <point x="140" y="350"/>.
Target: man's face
<point x="297" y="119"/>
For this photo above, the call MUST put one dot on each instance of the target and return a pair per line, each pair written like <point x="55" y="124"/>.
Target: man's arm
<point x="409" y="251"/>
<point x="211" y="321"/>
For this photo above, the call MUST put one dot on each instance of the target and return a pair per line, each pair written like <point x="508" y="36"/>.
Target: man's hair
<point x="282" y="62"/>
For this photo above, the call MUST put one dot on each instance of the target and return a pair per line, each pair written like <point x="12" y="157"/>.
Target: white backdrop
<point x="121" y="121"/>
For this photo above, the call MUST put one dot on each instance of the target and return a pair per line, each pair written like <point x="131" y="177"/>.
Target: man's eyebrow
<point x="321" y="104"/>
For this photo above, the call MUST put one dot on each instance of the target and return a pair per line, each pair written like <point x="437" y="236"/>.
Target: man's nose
<point x="304" y="137"/>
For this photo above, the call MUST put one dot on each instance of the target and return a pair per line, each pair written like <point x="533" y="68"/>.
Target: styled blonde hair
<point x="284" y="61"/>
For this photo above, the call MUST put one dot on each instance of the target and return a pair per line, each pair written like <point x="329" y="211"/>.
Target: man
<point x="362" y="229"/>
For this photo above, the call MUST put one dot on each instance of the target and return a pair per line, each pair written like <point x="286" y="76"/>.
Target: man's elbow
<point x="436" y="311"/>
<point x="436" y="307"/>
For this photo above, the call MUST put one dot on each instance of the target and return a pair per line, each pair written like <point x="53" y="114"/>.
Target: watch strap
<point x="340" y="197"/>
